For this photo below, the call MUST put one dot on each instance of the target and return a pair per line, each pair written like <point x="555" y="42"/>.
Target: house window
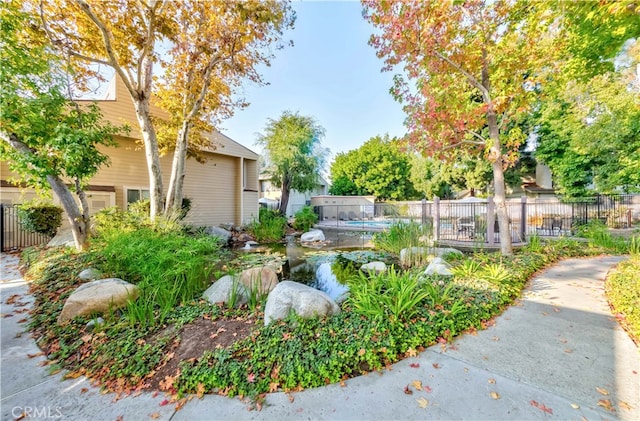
<point x="134" y="194"/>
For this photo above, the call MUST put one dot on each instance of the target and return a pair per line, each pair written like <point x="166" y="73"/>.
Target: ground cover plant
<point x="623" y="291"/>
<point x="194" y="347"/>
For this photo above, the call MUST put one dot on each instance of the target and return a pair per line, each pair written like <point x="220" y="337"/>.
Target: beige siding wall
<point x="213" y="187"/>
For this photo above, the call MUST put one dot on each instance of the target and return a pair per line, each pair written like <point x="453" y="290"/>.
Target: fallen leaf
<point x="120" y="418"/>
<point x="422" y="402"/>
<point x="200" y="390"/>
<point x="417" y="384"/>
<point x="568" y="350"/>
<point x="491" y="381"/>
<point x="361" y="352"/>
<point x="35" y="355"/>
<point x="541" y="407"/>
<point x="495" y="338"/>
<point x="427" y="389"/>
<point x="624" y="405"/>
<point x="602" y="391"/>
<point x="251" y="378"/>
<point x="84" y="390"/>
<point x="575" y="406"/>
<point x="291" y="398"/>
<point x="407" y="391"/>
<point x="164" y="402"/>
<point x="414" y="365"/>
<point x="155" y="415"/>
<point x="606" y="404"/>
<point x="495" y="395"/>
<point x="411" y="352"/>
<point x="273" y="386"/>
<point x="556" y="309"/>
<point x="436" y="365"/>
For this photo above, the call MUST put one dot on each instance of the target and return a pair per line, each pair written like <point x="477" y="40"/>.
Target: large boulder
<point x="302" y="299"/>
<point x="374" y="267"/>
<point x="438" y="266"/>
<point x="90" y="274"/>
<point x="98" y="296"/>
<point x="223" y="290"/>
<point x="260" y="279"/>
<point x="312" y="236"/>
<point x="219" y="232"/>
<point x="64" y="237"/>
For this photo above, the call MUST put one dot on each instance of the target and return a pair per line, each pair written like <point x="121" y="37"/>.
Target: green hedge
<point x="40" y="218"/>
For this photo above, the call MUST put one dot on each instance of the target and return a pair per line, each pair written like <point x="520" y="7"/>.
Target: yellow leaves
<point x="361" y="352"/>
<point x="602" y="391"/>
<point x="495" y="395"/>
<point x="606" y="404"/>
<point x="491" y="381"/>
<point x="575" y="406"/>
<point x="417" y="384"/>
<point x="200" y="389"/>
<point x="411" y="353"/>
<point x="422" y="403"/>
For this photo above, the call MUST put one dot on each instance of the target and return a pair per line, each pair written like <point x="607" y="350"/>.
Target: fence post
<point x="523" y="218"/>
<point x="491" y="219"/>
<point x="424" y="211"/>
<point x="436" y="218"/>
<point x="1" y="227"/>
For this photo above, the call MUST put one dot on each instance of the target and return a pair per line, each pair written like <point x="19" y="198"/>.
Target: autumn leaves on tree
<point x="205" y="49"/>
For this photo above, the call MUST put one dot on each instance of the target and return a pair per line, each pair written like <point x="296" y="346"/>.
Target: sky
<point x="331" y="74"/>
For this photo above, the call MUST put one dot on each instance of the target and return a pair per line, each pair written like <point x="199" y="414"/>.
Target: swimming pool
<point x="380" y="224"/>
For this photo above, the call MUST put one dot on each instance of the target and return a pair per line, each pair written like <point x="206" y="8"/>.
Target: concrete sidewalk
<point x="557" y="354"/>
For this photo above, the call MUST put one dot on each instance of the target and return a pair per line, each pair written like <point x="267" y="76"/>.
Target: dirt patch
<point x="197" y="337"/>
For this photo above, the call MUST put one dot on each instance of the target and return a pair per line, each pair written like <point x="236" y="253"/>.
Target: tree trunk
<point x="178" y="170"/>
<point x="153" y="156"/>
<point x="79" y="227"/>
<point x="495" y="153"/>
<point x="284" y="198"/>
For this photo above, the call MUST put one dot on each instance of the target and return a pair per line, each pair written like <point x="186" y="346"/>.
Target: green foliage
<point x="590" y="133"/>
<point x="112" y="221"/>
<point x="169" y="266"/>
<point x="270" y="227"/>
<point x="392" y="295"/>
<point x="377" y="168"/>
<point x="294" y="154"/>
<point x="305" y="218"/>
<point x="623" y="292"/>
<point x="599" y="236"/>
<point x="402" y="235"/>
<point x="41" y="218"/>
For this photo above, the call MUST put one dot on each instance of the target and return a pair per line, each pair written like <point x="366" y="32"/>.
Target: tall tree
<point x="590" y="136"/>
<point x="296" y="157"/>
<point x="120" y="35"/>
<point x="47" y="139"/>
<point x="379" y="167"/>
<point x="472" y="65"/>
<point x="215" y="46"/>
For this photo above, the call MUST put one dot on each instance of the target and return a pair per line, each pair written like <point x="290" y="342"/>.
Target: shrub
<point x="40" y="218"/>
<point x="623" y="292"/>
<point x="402" y="235"/>
<point x="305" y="218"/>
<point x="270" y="227"/>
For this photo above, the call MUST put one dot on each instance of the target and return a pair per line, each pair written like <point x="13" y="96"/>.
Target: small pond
<point x="316" y="265"/>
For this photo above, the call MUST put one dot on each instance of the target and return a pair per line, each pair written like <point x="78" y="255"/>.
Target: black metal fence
<point x="12" y="235"/>
<point x="474" y="220"/>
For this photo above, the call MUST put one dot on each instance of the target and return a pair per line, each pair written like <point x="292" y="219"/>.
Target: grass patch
<point x="270" y="227"/>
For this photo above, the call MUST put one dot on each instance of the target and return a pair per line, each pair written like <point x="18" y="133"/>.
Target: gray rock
<point x="312" y="236"/>
<point x="261" y="279"/>
<point x="438" y="266"/>
<point x="221" y="291"/>
<point x="98" y="296"/>
<point x="62" y="238"/>
<point x="302" y="299"/>
<point x="376" y="267"/>
<point x="91" y="324"/>
<point x="221" y="233"/>
<point x="90" y="274"/>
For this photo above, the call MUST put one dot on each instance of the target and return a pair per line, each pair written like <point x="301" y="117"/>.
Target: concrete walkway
<point x="557" y="354"/>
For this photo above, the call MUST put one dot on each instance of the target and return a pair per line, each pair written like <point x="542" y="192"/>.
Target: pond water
<point x="312" y="265"/>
